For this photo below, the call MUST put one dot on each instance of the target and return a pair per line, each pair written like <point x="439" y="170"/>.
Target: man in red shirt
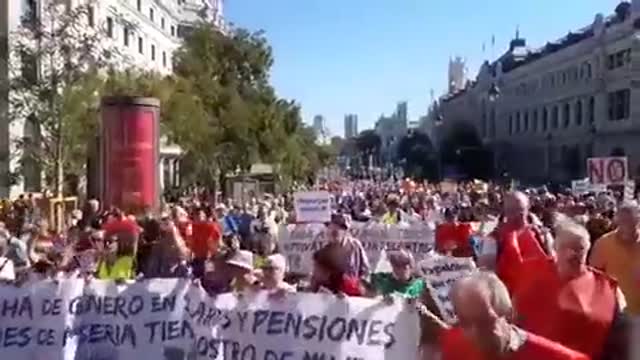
<point x="204" y="240"/>
<point x="454" y="237"/>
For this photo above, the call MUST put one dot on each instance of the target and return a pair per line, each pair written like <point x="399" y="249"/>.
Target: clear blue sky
<point x="363" y="56"/>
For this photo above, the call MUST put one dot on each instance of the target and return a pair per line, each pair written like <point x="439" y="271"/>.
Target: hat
<point x="242" y="259"/>
<point x="340" y="220"/>
<point x="275" y="261"/>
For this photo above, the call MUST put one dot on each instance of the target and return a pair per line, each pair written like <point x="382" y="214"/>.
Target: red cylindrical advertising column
<point x="129" y="153"/>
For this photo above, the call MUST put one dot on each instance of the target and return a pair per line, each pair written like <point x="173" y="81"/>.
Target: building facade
<point x="457" y="74"/>
<point x="320" y="129"/>
<point x="391" y="129"/>
<point x="145" y="33"/>
<point x="559" y="104"/>
<point x="350" y="126"/>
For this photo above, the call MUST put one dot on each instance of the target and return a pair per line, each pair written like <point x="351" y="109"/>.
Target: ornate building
<point x="558" y="104"/>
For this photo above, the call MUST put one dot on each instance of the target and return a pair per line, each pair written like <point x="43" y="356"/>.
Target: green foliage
<point x="54" y="88"/>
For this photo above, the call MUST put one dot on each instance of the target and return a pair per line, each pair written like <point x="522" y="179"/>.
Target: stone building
<point x="558" y="104"/>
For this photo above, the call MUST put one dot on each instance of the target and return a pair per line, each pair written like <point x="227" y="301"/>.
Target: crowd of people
<point x="558" y="273"/>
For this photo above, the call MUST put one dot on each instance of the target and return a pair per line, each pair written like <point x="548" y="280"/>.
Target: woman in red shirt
<point x="453" y="237"/>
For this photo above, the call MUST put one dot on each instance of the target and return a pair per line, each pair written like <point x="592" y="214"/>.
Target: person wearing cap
<point x="403" y="278"/>
<point x="273" y="270"/>
<point x="355" y="257"/>
<point x="240" y="267"/>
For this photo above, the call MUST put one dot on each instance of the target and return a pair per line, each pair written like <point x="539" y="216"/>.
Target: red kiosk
<point x="129" y="153"/>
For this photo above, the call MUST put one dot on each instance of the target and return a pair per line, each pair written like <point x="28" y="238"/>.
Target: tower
<point x="457" y="74"/>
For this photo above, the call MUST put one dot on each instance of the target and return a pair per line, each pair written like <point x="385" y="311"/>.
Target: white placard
<point x="312" y="206"/>
<point x="299" y="242"/>
<point x="173" y="320"/>
<point x="608" y="170"/>
<point x="441" y="272"/>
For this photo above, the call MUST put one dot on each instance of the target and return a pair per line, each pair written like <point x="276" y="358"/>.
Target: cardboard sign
<point x="608" y="170"/>
<point x="441" y="272"/>
<point x="312" y="206"/>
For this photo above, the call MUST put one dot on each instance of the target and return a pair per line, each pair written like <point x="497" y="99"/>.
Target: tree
<point x="419" y="155"/>
<point x="368" y="144"/>
<point x="54" y="86"/>
<point x="463" y="149"/>
<point x="240" y="118"/>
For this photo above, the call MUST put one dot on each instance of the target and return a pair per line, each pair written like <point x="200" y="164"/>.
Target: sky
<point x="364" y="56"/>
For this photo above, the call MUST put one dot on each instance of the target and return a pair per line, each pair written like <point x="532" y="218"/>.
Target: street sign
<point x="608" y="170"/>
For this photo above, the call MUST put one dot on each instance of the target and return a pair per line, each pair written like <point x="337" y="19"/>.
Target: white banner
<point x="441" y="272"/>
<point x="299" y="242"/>
<point x="172" y="320"/>
<point x="312" y="206"/>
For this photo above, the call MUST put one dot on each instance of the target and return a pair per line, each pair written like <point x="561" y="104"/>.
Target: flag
<point x="493" y="40"/>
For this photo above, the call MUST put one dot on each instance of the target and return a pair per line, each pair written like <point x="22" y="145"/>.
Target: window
<point x="545" y="119"/>
<point x="139" y="5"/>
<point x="125" y="35"/>
<point x="535" y="121"/>
<point x="618" y="59"/>
<point x="554" y="117"/>
<point x="173" y="30"/>
<point x="151" y="14"/>
<point x="566" y="115"/>
<point x="162" y="23"/>
<point x="518" y="122"/>
<point x="153" y="52"/>
<point x="578" y="113"/>
<point x="29" y="67"/>
<point x="109" y="27"/>
<point x="619" y="104"/>
<point x="140" y="45"/>
<point x="29" y="12"/>
<point x="91" y="16"/>
<point x="164" y="59"/>
<point x="492" y="123"/>
<point x="526" y="122"/>
<point x="592" y="110"/>
<point x="510" y="124"/>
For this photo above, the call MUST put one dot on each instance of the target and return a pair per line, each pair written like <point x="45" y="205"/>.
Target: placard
<point x="608" y="170"/>
<point x="441" y="272"/>
<point x="312" y="206"/>
<point x="173" y="320"/>
<point x="299" y="242"/>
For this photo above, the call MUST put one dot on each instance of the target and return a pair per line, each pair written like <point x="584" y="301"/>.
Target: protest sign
<point x="441" y="272"/>
<point x="173" y="320"/>
<point x="299" y="242"/>
<point x="312" y="206"/>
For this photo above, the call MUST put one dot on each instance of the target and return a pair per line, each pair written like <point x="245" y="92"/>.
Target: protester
<point x="331" y="275"/>
<point x="241" y="271"/>
<point x="485" y="329"/>
<point x="618" y="254"/>
<point x="454" y="237"/>
<point x="273" y="271"/>
<point x="355" y="258"/>
<point x="403" y="279"/>
<point x="561" y="315"/>
<point x="204" y="240"/>
<point x="515" y="240"/>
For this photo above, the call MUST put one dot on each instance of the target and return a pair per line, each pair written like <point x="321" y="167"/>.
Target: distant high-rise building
<point x="402" y="112"/>
<point x="457" y="74"/>
<point x="319" y="126"/>
<point x="350" y="126"/>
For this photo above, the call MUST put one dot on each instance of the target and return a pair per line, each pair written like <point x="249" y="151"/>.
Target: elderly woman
<point x="273" y="270"/>
<point x="403" y="279"/>
<point x="580" y="306"/>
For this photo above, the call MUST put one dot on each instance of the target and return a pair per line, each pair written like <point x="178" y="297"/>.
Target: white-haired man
<point x="484" y="330"/>
<point x="581" y="307"/>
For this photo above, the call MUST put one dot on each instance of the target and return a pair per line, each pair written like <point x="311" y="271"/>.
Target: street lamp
<point x="494" y="92"/>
